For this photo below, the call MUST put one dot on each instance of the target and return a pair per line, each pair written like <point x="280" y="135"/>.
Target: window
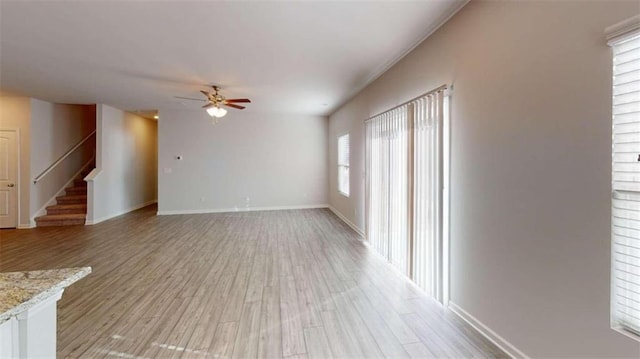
<point x="625" y="212"/>
<point x="343" y="164"/>
<point x="405" y="185"/>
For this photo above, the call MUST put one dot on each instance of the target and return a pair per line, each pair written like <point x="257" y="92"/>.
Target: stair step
<point x="61" y="220"/>
<point x="79" y="183"/>
<point x="75" y="199"/>
<point x="67" y="209"/>
<point x="72" y="191"/>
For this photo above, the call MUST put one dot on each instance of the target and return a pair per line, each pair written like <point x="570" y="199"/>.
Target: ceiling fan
<point x="215" y="100"/>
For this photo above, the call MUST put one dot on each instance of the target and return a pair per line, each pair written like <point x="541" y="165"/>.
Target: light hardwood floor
<point x="293" y="284"/>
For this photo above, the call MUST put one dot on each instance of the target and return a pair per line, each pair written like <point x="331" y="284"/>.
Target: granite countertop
<point x="20" y="291"/>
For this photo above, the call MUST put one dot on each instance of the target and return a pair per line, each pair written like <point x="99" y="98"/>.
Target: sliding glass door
<point x="387" y="140"/>
<point x="404" y="189"/>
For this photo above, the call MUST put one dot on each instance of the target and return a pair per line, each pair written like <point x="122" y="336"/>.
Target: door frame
<point x="19" y="225"/>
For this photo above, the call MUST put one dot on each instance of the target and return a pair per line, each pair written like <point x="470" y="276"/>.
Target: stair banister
<point x="62" y="158"/>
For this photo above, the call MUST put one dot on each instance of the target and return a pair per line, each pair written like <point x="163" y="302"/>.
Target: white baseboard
<point x="120" y="213"/>
<point x="492" y="336"/>
<point x="27" y="226"/>
<point x="250" y="209"/>
<point x="347" y="221"/>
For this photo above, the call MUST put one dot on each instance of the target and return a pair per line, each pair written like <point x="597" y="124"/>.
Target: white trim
<point x="26" y="226"/>
<point x="621" y="330"/>
<point x="622" y="30"/>
<point x="120" y="213"/>
<point x="238" y="209"/>
<point x="347" y="221"/>
<point x="43" y="210"/>
<point x="91" y="176"/>
<point x="492" y="336"/>
<point x="342" y="193"/>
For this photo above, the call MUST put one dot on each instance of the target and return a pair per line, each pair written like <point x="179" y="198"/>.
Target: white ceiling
<point x="294" y="57"/>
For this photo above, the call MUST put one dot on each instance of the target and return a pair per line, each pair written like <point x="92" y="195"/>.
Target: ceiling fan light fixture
<point x="216" y="111"/>
<point x="214" y="100"/>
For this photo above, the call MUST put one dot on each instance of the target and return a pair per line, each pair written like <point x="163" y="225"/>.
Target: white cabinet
<point x="28" y="310"/>
<point x="32" y="332"/>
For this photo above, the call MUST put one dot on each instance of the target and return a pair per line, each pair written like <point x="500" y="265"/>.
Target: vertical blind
<point x="626" y="183"/>
<point x="387" y="138"/>
<point x="404" y="179"/>
<point x="427" y="224"/>
<point x="343" y="164"/>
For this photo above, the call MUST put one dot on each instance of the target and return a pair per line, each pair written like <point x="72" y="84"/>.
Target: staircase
<point x="70" y="209"/>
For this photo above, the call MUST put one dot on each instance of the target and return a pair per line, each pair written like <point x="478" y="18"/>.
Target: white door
<point x="8" y="179"/>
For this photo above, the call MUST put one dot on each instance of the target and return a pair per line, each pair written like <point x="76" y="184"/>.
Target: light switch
<point x="167" y="170"/>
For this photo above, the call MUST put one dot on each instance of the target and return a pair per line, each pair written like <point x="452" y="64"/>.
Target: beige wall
<point x="530" y="166"/>
<point x="273" y="160"/>
<point x="55" y="129"/>
<point x="349" y="119"/>
<point x="125" y="178"/>
<point x="15" y="113"/>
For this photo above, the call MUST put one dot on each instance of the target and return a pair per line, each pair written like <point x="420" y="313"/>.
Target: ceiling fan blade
<point x="190" y="98"/>
<point x="205" y="93"/>
<point x="238" y="100"/>
<point x="208" y="105"/>
<point x="234" y="106"/>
